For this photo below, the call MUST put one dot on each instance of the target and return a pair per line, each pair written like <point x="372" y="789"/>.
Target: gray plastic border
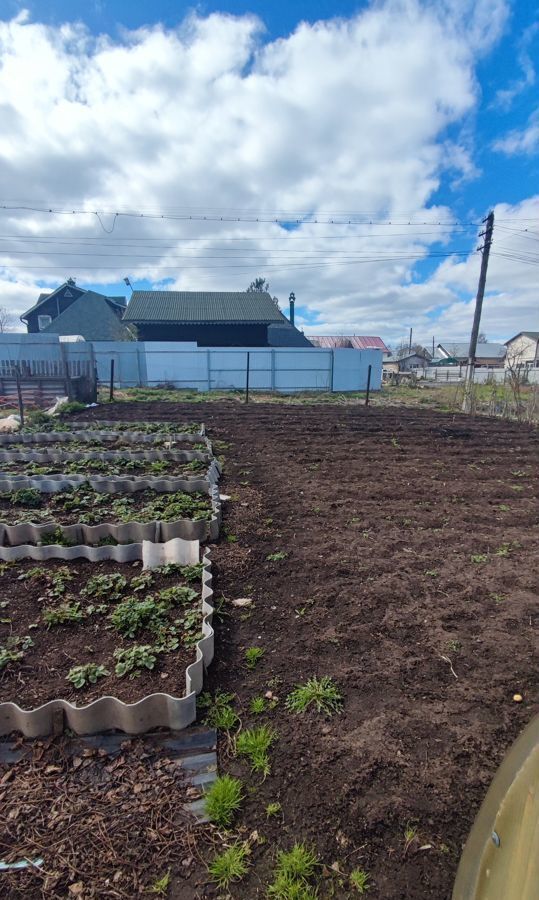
<point x="107" y="713"/>
<point x="49" y="456"/>
<point x="113" y="423"/>
<point x="113" y="483"/>
<point x="123" y="533"/>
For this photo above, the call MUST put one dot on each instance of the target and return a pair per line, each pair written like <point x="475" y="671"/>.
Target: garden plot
<point x="122" y="514"/>
<point x="193" y="429"/>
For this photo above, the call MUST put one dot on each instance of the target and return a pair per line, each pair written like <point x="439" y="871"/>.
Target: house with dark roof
<point x="348" y="341"/>
<point x="212" y="319"/>
<point x="486" y="354"/>
<point x="523" y="350"/>
<point x="409" y="362"/>
<point x="72" y="310"/>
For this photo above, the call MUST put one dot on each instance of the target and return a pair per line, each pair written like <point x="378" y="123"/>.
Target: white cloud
<point x="525" y="140"/>
<point x="505" y="96"/>
<point x="341" y="115"/>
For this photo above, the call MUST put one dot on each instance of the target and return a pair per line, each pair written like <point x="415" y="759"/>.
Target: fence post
<point x="332" y="368"/>
<point x="247" y="377"/>
<point x="19" y="395"/>
<point x="111" y="389"/>
<point x="273" y="370"/>
<point x="369" y="371"/>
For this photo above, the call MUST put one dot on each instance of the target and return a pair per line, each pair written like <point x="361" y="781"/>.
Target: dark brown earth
<point x="411" y="578"/>
<point x="41" y="675"/>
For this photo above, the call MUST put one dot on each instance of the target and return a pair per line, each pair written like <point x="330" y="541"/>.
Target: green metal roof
<point x="202" y="307"/>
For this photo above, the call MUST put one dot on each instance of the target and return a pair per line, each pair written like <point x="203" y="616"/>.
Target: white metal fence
<point x="453" y="374"/>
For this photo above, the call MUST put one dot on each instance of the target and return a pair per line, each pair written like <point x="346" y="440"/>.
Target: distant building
<point x="71" y="310"/>
<point x="523" y="350"/>
<point x="410" y="362"/>
<point x="354" y="341"/>
<point x="212" y="319"/>
<point x="486" y="354"/>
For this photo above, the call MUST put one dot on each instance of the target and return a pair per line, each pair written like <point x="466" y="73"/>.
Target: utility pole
<point x="485" y="249"/>
<point x="410" y="342"/>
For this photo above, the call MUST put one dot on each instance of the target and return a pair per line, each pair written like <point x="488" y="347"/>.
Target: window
<point x="43" y="322"/>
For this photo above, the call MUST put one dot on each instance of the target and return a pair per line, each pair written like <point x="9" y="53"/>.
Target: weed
<point x="255" y="744"/>
<point x="87" y="674"/>
<point x="257" y="705"/>
<point x="133" y="659"/>
<point x="454" y="646"/>
<point x="410" y="834"/>
<point x="230" y="865"/>
<point x="220" y="715"/>
<point x="498" y="598"/>
<point x="160" y="885"/>
<point x="253" y="655"/>
<point x="223" y="800"/>
<point x="516" y="487"/>
<point x="395" y="443"/>
<point x="65" y="614"/>
<point x="479" y="557"/>
<point x="293" y="873"/>
<point x="358" y="880"/>
<point x="432" y="572"/>
<point x="504" y="550"/>
<point x="275" y="557"/>
<point x="518" y="473"/>
<point x="273" y="809"/>
<point x="503" y="507"/>
<point x="319" y="692"/>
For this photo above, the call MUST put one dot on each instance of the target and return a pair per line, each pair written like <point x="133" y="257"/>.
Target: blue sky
<point x="395" y="111"/>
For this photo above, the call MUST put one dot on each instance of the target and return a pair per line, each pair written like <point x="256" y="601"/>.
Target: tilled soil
<point x="41" y="673"/>
<point x="411" y="577"/>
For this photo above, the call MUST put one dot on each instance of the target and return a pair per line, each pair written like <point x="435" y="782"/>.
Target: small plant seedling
<point x="359" y="880"/>
<point x="516" y="487"/>
<point x="133" y="659"/>
<point x="220" y="715"/>
<point x="257" y="705"/>
<point x="80" y="676"/>
<point x="278" y="555"/>
<point x="223" y="800"/>
<point x="141" y="582"/>
<point x="65" y="614"/>
<point x="230" y="865"/>
<point x="498" y="598"/>
<point x="478" y="557"/>
<point x="161" y="885"/>
<point x="504" y="550"/>
<point x="273" y="809"/>
<point x="253" y="655"/>
<point x="255" y="744"/>
<point x="433" y="573"/>
<point x="503" y="507"/>
<point x="321" y="693"/>
<point x="293" y="873"/>
<point x="395" y="443"/>
<point x="518" y="473"/>
<point x="454" y="646"/>
<point x="410" y="834"/>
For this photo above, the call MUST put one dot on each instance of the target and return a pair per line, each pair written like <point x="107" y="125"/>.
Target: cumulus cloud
<point x="211" y="119"/>
<point x="524" y="140"/>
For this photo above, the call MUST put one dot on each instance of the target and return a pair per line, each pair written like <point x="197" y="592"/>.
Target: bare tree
<point x="403" y="349"/>
<point x="261" y="286"/>
<point x="7" y="321"/>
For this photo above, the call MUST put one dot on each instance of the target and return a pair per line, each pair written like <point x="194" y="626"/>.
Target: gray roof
<point x="202" y="306"/>
<point x="286" y="335"/>
<point x="534" y="335"/>
<point x="94" y="317"/>
<point x="460" y="350"/>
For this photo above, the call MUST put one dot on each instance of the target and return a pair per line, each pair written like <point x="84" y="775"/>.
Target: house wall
<point x="207" y="335"/>
<point x="521" y="350"/>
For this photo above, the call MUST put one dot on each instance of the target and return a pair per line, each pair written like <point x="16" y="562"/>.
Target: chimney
<point x="292" y="301"/>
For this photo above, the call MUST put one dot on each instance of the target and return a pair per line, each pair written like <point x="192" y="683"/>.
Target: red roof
<point x="355" y="341"/>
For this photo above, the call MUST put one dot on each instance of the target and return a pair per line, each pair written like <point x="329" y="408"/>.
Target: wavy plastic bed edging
<point x="128" y="484"/>
<point x="107" y="713"/>
<point x="125" y="437"/>
<point x="123" y="533"/>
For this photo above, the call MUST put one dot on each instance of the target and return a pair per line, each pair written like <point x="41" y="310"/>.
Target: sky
<point x="347" y="152"/>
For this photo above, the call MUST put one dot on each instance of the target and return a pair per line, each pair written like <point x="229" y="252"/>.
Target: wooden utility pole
<point x="470" y="368"/>
<point x="410" y="342"/>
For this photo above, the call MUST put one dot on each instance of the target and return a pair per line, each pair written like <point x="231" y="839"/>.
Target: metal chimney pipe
<point x="292" y="301"/>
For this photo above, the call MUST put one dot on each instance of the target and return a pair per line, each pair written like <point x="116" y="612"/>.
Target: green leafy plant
<point x="410" y="835"/>
<point x="25" y="497"/>
<point x="10" y="652"/>
<point x="253" y="655"/>
<point x="134" y="614"/>
<point x="255" y="744"/>
<point x="65" y="614"/>
<point x="220" y="713"/>
<point x="275" y="557"/>
<point x="257" y="705"/>
<point x="230" y="865"/>
<point x="273" y="809"/>
<point x="223" y="800"/>
<point x="177" y="595"/>
<point x="109" y="587"/>
<point x="141" y="582"/>
<point x="479" y="557"/>
<point x="132" y="660"/>
<point x="193" y="572"/>
<point x="321" y="693"/>
<point x="86" y="674"/>
<point x="359" y="880"/>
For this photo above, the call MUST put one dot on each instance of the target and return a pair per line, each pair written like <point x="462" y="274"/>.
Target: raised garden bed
<point x="96" y="645"/>
<point x="191" y="428"/>
<point x="107" y="440"/>
<point x="95" y="465"/>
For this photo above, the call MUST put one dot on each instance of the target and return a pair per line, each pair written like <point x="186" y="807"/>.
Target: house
<point x="523" y="350"/>
<point x="410" y="362"/>
<point x="212" y="319"/>
<point x="486" y="354"/>
<point x="354" y="341"/>
<point x="71" y="310"/>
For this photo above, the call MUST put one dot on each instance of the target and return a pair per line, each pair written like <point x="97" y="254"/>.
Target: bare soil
<point x="411" y="577"/>
<point x="41" y="675"/>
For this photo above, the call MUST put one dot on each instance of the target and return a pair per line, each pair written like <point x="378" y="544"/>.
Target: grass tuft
<point x="293" y="873"/>
<point x="255" y="743"/>
<point x="230" y="865"/>
<point x="253" y="655"/>
<point x="322" y="693"/>
<point x="223" y="800"/>
<point x="359" y="880"/>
